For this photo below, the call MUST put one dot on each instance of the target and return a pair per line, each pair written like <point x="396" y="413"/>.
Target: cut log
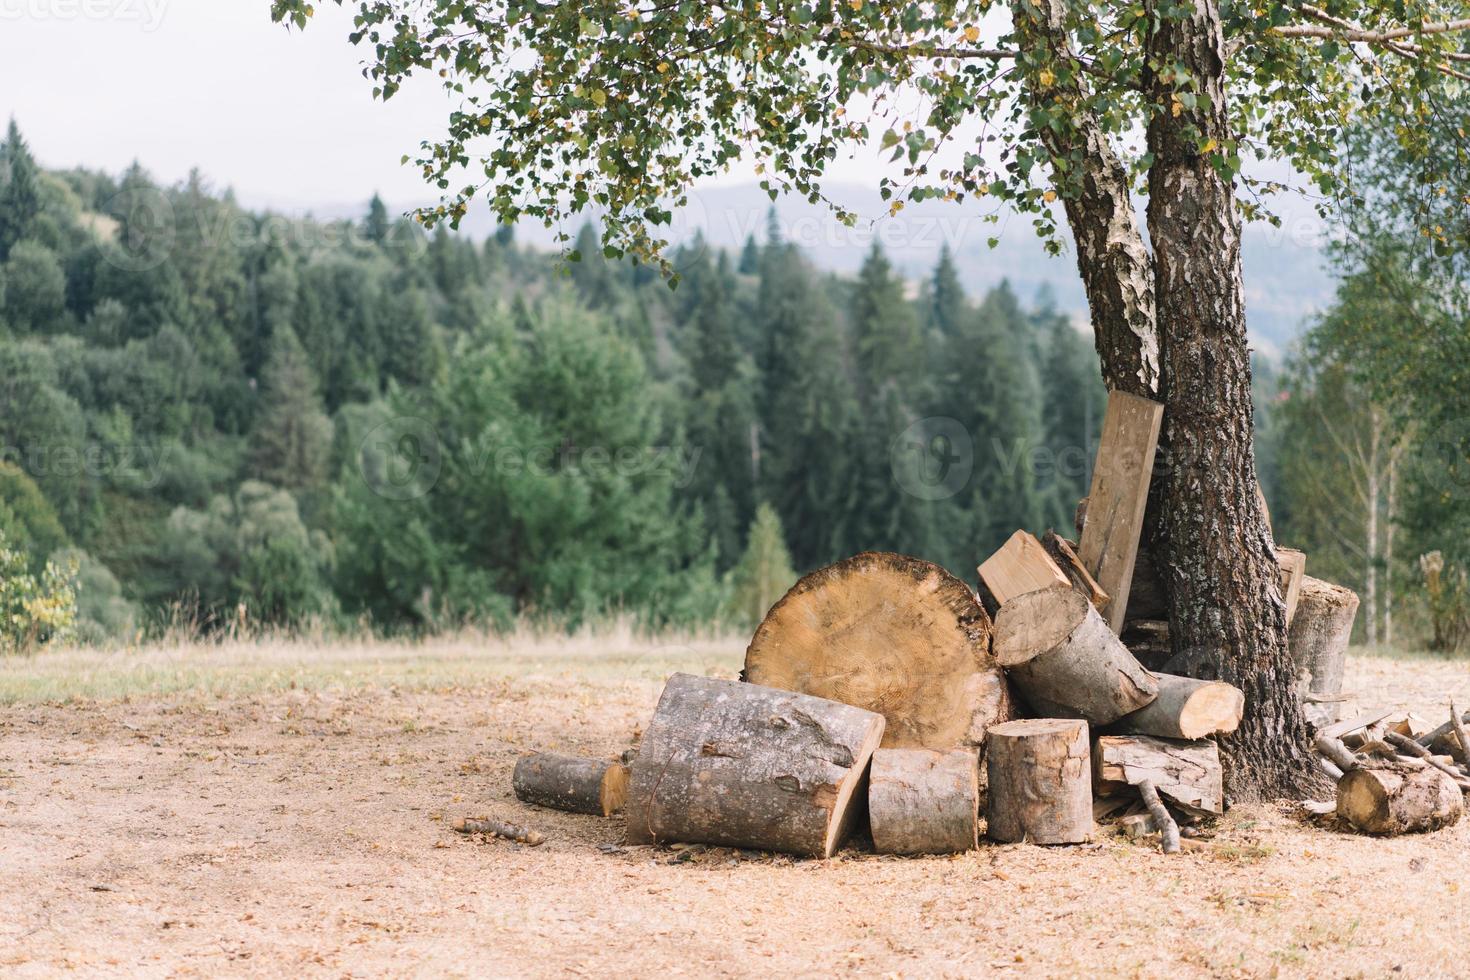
<point x="923" y="802"/>
<point x="1065" y="660"/>
<point x="565" y="782"/>
<point x="1115" y="504"/>
<point x="1020" y="565"/>
<point x="740" y="765"/>
<point x="1039" y="782"/>
<point x="1396" y="799"/>
<point x="892" y="634"/>
<point x="1338" y="754"/>
<point x="1318" y="640"/>
<point x="1187" y="709"/>
<point x="1064" y="553"/>
<point x="1187" y="773"/>
<point x="1293" y="565"/>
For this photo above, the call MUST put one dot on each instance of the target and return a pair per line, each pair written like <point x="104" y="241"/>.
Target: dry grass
<point x="205" y="818"/>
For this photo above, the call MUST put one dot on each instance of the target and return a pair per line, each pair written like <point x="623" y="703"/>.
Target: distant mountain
<point x="1285" y="278"/>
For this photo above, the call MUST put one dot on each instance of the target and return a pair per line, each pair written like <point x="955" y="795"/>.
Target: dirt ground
<point x="269" y="831"/>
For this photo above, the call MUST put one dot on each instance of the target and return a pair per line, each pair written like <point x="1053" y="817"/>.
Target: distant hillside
<point x="1284" y="275"/>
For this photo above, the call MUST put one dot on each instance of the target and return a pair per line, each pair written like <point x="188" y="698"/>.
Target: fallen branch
<point x="1442" y="730"/>
<point x="1168" y="829"/>
<point x="496" y="828"/>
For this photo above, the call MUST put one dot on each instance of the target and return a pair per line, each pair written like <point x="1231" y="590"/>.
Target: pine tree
<point x="764" y="572"/>
<point x="292" y="436"/>
<point x="750" y="257"/>
<point x="20" y="194"/>
<point x="590" y="270"/>
<point x="1072" y="403"/>
<point x="377" y="224"/>
<point x="947" y="304"/>
<point x="887" y="345"/>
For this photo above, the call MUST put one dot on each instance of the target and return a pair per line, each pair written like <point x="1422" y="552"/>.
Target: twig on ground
<point x="1168" y="829"/>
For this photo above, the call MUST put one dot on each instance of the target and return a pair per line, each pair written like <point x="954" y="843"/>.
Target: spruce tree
<point x="376" y="224"/>
<point x="20" y="194"/>
<point x="764" y="572"/>
<point x="292" y="437"/>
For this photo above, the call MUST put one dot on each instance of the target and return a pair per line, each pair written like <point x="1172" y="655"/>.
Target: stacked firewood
<point x="1395" y="774"/>
<point x="882" y="693"/>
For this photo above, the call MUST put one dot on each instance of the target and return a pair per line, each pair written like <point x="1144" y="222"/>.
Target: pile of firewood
<point x="1394" y="774"/>
<point x="884" y="693"/>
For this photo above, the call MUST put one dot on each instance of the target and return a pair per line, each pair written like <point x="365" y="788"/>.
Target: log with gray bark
<point x="565" y="782"/>
<point x="923" y="802"/>
<point x="1040" y="782"/>
<point x="1186" y="708"/>
<point x="1065" y="660"/>
<point x="1188" y="774"/>
<point x="741" y="765"/>
<point x="1397" y="798"/>
<point x="499" y="828"/>
<point x="1318" y="639"/>
<point x="892" y="634"/>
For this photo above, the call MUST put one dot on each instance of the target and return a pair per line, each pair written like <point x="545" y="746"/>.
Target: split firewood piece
<point x="1137" y="825"/>
<point x="740" y="765"/>
<point x="1020" y="565"/>
<point x="893" y="634"/>
<point x="1187" y="708"/>
<point x="1064" y="553"/>
<point x="1168" y="829"/>
<point x="1115" y="504"/>
<point x="1392" y="798"/>
<point x="1342" y="729"/>
<point x="1415" y="750"/>
<point x="498" y="828"/>
<point x="1293" y="566"/>
<point x="1065" y="660"/>
<point x="1187" y="773"/>
<point x="1040" y="783"/>
<point x="565" y="782"/>
<point x="924" y="802"/>
<point x="1318" y="641"/>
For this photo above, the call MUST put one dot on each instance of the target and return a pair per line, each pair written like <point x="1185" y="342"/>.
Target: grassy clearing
<point x="607" y="652"/>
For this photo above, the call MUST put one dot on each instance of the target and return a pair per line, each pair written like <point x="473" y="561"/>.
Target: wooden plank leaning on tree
<point x="1115" y="504"/>
<point x="893" y="634"/>
<point x="1186" y="773"/>
<point x="1019" y="566"/>
<point x="1293" y="565"/>
<point x="740" y="765"/>
<point x="565" y="782"/>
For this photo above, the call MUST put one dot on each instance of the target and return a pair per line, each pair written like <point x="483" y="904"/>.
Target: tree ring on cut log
<point x="893" y="634"/>
<point x="1031" y="624"/>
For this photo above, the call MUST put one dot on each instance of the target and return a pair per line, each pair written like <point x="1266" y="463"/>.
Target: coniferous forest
<point x="220" y="415"/>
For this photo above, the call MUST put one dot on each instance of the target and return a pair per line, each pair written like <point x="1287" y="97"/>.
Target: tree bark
<point x="1227" y="618"/>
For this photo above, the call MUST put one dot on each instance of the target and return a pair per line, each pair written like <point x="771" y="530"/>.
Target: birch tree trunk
<point x="1370" y="530"/>
<point x="1227" y="619"/>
